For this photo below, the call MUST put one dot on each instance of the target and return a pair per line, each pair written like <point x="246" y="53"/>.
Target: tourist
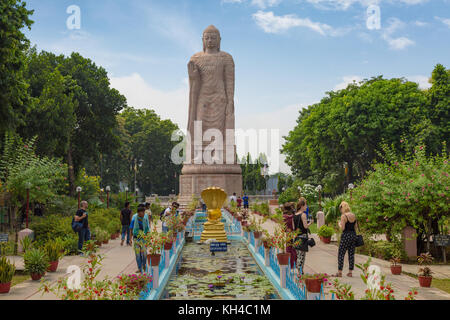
<point x="301" y="223"/>
<point x="84" y="234"/>
<point x="148" y="211"/>
<point x="245" y="198"/>
<point x="239" y="202"/>
<point x="288" y="215"/>
<point x="348" y="238"/>
<point x="139" y="223"/>
<point x="125" y="219"/>
<point x="169" y="211"/>
<point x="233" y="198"/>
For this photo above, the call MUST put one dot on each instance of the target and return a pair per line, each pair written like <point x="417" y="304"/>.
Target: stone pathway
<point x="322" y="258"/>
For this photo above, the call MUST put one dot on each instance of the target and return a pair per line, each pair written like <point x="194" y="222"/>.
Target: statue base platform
<point x="196" y="178"/>
<point x="214" y="230"/>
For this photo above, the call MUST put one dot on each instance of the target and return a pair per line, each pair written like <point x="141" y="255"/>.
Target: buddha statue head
<point x="211" y="38"/>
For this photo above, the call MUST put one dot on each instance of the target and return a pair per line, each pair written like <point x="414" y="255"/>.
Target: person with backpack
<point x="245" y="199"/>
<point x="125" y="219"/>
<point x="166" y="213"/>
<point x="81" y="217"/>
<point x="140" y="224"/>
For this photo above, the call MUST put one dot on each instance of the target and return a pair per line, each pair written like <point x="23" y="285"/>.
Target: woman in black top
<point x="348" y="238"/>
<point x="301" y="223"/>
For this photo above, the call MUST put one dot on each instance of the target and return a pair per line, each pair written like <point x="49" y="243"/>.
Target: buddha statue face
<point x="211" y="39"/>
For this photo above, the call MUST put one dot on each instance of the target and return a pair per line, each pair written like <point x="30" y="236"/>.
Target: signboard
<point x="4" y="237"/>
<point x="218" y="247"/>
<point x="441" y="240"/>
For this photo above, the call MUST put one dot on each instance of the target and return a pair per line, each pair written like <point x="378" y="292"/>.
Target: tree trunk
<point x="71" y="171"/>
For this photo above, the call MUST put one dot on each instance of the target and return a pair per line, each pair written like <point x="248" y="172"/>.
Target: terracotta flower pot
<point x="325" y="239"/>
<point x="257" y="234"/>
<point x="425" y="281"/>
<point x="168" y="245"/>
<point x="313" y="285"/>
<point x="397" y="269"/>
<point x="266" y="245"/>
<point x="105" y="241"/>
<point x="5" y="287"/>
<point x="155" y="259"/>
<point x="239" y="218"/>
<point x="36" y="276"/>
<point x="98" y="243"/>
<point x="53" y="266"/>
<point x="283" y="258"/>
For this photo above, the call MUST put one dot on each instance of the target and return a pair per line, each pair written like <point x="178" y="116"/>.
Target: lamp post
<point x="101" y="194"/>
<point x="351" y="186"/>
<point x="319" y="189"/>
<point x="135" y="173"/>
<point x="299" y="191"/>
<point x="27" y="186"/>
<point x="79" y="195"/>
<point x="265" y="174"/>
<point x="137" y="190"/>
<point x="108" y="189"/>
<point x="126" y="194"/>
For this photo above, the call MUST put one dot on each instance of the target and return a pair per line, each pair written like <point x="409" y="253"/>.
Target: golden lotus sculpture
<point x="214" y="198"/>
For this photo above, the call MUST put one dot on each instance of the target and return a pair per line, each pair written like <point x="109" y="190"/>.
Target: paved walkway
<point x="322" y="258"/>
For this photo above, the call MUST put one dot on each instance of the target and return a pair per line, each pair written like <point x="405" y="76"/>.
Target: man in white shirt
<point x="170" y="210"/>
<point x="233" y="197"/>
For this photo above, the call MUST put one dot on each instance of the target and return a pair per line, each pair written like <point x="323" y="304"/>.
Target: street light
<point x="137" y="190"/>
<point x="108" y="189"/>
<point x="101" y="194"/>
<point x="299" y="191"/>
<point x="265" y="174"/>
<point x="135" y="172"/>
<point x="319" y="189"/>
<point x="27" y="186"/>
<point x="126" y="194"/>
<point x="351" y="186"/>
<point x="79" y="195"/>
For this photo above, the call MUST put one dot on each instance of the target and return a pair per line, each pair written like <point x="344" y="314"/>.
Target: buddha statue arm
<point x="194" y="85"/>
<point x="229" y="84"/>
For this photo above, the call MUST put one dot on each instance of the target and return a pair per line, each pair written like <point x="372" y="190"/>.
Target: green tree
<point x="13" y="43"/>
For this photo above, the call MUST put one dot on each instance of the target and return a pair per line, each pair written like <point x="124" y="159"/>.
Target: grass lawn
<point x="442" y="284"/>
<point x="19" y="277"/>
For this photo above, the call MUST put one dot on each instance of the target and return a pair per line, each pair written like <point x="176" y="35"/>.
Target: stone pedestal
<point x="21" y="235"/>
<point x="215" y="231"/>
<point x="283" y="272"/>
<point x="155" y="277"/>
<point x="409" y="238"/>
<point x="320" y="219"/>
<point x="196" y="178"/>
<point x="267" y="257"/>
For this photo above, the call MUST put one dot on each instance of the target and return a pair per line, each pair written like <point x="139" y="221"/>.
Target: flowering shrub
<point x="134" y="284"/>
<point x="90" y="287"/>
<point x="404" y="190"/>
<point x="342" y="291"/>
<point x="153" y="241"/>
<point x="282" y="237"/>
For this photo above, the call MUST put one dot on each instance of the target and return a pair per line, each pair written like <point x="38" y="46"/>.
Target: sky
<point x="288" y="53"/>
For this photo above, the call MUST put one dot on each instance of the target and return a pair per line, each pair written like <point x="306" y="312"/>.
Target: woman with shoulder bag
<point x="348" y="238"/>
<point x="301" y="223"/>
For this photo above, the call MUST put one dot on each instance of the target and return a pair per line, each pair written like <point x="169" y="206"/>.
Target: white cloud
<point x="271" y="23"/>
<point x="171" y="105"/>
<point x="421" y="80"/>
<point x="346" y="80"/>
<point x="345" y="4"/>
<point x="420" y="23"/>
<point x="396" y="43"/>
<point x="265" y="3"/>
<point x="444" y="21"/>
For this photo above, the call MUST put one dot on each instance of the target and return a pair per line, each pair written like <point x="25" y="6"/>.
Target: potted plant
<point x="256" y="228"/>
<point x="396" y="267"/>
<point x="154" y="242"/>
<point x="313" y="282"/>
<point x="7" y="271"/>
<point x="55" y="251"/>
<point x="424" y="274"/>
<point x="267" y="240"/>
<point x="36" y="263"/>
<point x="280" y="239"/>
<point x="168" y="240"/>
<point x="325" y="232"/>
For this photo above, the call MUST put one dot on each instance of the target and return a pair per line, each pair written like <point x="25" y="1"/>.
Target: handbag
<point x="76" y="226"/>
<point x="359" y="240"/>
<point x="303" y="239"/>
<point x="311" y="242"/>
